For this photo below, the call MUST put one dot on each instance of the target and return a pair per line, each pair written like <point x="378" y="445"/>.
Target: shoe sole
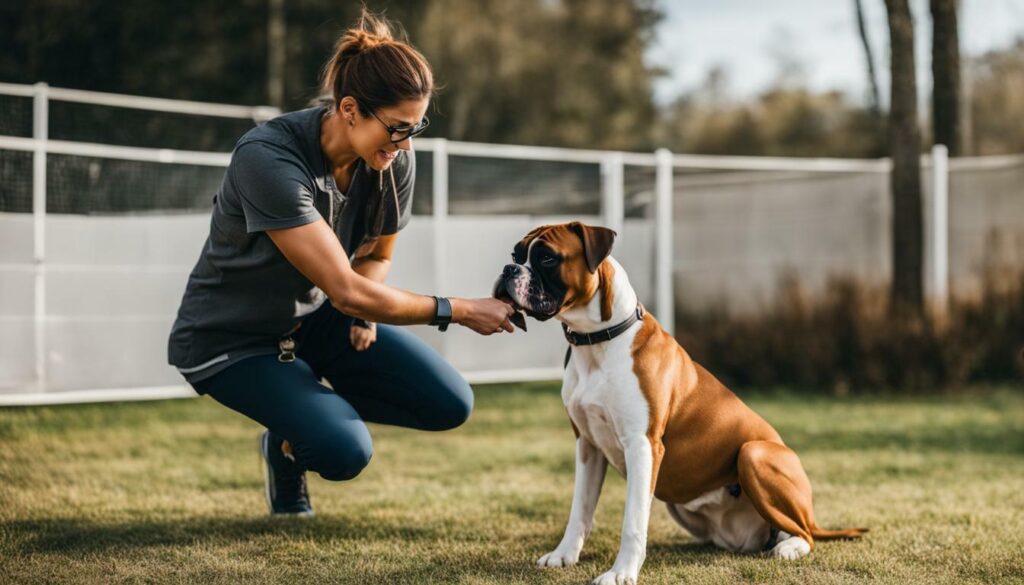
<point x="262" y="447"/>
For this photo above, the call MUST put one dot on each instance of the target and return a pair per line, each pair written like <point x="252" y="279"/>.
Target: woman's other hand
<point x="362" y="337"/>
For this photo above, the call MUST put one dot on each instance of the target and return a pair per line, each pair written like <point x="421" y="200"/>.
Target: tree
<point x="782" y="121"/>
<point x="875" y="104"/>
<point x="567" y="73"/>
<point x="907" y="294"/>
<point x="998" y="96"/>
<point x="277" y="55"/>
<point x="946" y="75"/>
<point x="874" y="119"/>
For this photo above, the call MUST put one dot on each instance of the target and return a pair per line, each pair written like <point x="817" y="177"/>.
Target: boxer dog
<point x="638" y="402"/>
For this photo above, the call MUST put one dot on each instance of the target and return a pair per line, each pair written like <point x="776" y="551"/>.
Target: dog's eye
<point x="548" y="260"/>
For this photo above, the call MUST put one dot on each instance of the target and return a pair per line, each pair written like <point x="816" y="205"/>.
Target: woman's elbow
<point x="354" y="304"/>
<point x="344" y="304"/>
<point x="338" y="304"/>
<point x="339" y="292"/>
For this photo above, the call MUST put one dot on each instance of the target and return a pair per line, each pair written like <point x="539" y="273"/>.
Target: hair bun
<point x="358" y="40"/>
<point x="373" y="77"/>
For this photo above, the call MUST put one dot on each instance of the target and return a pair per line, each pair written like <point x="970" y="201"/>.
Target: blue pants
<point x="399" y="380"/>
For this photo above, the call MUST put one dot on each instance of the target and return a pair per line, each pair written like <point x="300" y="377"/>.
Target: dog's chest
<point x="606" y="406"/>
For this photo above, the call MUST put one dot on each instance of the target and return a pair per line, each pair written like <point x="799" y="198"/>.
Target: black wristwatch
<point x="443" y="313"/>
<point x="360" y="323"/>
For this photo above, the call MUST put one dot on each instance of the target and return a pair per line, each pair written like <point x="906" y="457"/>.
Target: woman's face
<point x="369" y="135"/>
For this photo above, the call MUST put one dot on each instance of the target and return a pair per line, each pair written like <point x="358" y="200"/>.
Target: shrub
<point x="845" y="340"/>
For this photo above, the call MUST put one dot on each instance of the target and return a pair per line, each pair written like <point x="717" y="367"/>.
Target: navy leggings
<point x="399" y="380"/>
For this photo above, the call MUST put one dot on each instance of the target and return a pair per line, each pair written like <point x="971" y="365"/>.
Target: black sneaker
<point x="285" y="480"/>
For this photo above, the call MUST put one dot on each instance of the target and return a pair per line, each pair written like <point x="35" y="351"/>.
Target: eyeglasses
<point x="402" y="133"/>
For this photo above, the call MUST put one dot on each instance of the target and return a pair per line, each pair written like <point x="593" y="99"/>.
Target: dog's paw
<point x="559" y="558"/>
<point x="614" y="577"/>
<point x="791" y="549"/>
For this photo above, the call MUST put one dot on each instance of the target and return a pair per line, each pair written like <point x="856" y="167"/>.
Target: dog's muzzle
<point x="518" y="284"/>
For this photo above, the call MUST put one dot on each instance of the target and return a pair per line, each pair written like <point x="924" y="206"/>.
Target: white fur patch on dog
<point x="727" y="521"/>
<point x="790" y="548"/>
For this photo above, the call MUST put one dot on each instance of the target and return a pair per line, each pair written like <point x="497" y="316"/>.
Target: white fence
<point x="87" y="299"/>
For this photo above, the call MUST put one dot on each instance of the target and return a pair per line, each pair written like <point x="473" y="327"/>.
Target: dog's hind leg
<point x="773" y="478"/>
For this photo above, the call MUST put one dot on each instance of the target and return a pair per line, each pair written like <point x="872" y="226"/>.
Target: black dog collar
<point x="605" y="334"/>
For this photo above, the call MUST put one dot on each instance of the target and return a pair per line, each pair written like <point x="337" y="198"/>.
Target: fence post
<point x="40" y="132"/>
<point x="663" y="219"/>
<point x="613" y="191"/>
<point x="940" y="226"/>
<point x="440" y="217"/>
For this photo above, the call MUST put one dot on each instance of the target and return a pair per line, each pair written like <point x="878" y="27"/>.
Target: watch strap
<point x="443" y="313"/>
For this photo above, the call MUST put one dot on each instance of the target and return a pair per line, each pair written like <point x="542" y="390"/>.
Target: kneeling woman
<point x="274" y="303"/>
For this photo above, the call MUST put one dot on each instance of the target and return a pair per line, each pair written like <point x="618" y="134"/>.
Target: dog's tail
<point x="822" y="534"/>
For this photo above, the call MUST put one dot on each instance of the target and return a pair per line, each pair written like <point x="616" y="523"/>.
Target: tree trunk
<point x="276" y="53"/>
<point x="875" y="118"/>
<point x="907" y="295"/>
<point x="876" y="100"/>
<point x="946" y="75"/>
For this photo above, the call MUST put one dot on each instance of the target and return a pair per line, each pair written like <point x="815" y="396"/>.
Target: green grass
<point x="170" y="492"/>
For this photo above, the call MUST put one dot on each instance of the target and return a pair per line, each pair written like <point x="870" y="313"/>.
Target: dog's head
<point x="554" y="268"/>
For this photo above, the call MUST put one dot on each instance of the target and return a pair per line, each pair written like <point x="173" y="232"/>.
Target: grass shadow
<point x="64" y="535"/>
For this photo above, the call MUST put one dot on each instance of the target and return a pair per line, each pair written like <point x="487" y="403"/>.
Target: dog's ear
<point x="597" y="243"/>
<point x="523" y="246"/>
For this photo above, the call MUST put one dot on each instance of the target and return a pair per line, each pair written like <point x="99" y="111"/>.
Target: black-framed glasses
<point x="402" y="133"/>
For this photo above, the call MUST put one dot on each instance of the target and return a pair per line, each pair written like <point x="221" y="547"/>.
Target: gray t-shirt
<point x="243" y="295"/>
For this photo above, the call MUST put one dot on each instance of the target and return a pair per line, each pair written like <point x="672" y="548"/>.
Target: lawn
<point x="170" y="492"/>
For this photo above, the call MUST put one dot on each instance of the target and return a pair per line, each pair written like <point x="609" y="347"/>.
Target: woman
<point x="274" y="304"/>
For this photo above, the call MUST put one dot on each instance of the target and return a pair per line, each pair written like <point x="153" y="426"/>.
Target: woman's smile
<point x="386" y="156"/>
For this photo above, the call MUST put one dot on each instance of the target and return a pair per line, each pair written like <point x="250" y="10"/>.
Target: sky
<point x="749" y="38"/>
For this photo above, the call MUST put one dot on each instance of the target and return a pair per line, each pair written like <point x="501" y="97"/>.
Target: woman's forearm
<point x="315" y="251"/>
<point x="372" y="268"/>
<point x="367" y="299"/>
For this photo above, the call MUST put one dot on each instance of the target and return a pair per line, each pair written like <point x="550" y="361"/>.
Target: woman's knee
<point x="409" y="375"/>
<point x="454" y="409"/>
<point x="339" y="454"/>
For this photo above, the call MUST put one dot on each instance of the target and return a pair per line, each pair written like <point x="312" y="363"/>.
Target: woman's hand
<point x="485" y="316"/>
<point x="362" y="337"/>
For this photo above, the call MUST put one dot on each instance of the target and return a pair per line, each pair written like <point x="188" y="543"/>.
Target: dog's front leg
<point x="590" y="470"/>
<point x="643" y="458"/>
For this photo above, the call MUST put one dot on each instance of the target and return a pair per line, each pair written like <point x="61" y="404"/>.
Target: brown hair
<point x="378" y="71"/>
<point x="375" y="68"/>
